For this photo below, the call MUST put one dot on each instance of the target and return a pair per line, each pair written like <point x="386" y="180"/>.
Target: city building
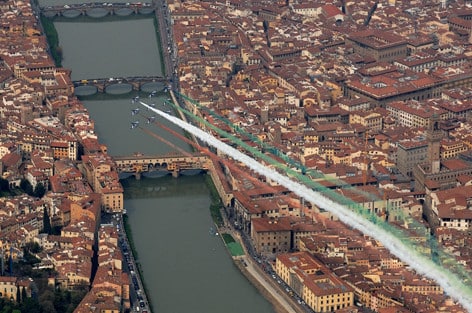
<point x="100" y="173"/>
<point x="451" y="208"/>
<point x="321" y="290"/>
<point x="384" y="84"/>
<point x="410" y="153"/>
<point x="381" y="45"/>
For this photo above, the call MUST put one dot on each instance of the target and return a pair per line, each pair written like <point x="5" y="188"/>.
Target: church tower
<point x="434" y="136"/>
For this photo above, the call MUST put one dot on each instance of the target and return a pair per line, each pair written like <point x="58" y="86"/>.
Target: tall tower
<point x="264" y="114"/>
<point x="443" y="4"/>
<point x="434" y="136"/>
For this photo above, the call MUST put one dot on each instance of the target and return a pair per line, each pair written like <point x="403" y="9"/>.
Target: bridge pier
<point x="175" y="173"/>
<point x="136" y="86"/>
<point x="137" y="175"/>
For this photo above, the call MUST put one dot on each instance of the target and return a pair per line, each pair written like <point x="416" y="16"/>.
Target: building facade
<point x="321" y="290"/>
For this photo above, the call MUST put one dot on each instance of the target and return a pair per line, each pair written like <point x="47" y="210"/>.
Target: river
<point x="186" y="269"/>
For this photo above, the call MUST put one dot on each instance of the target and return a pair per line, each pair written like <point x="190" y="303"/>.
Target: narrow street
<point x="138" y="298"/>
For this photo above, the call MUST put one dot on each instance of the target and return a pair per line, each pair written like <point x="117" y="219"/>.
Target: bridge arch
<point x="85" y="90"/>
<point x="118" y="88"/>
<point x="125" y="175"/>
<point x="153" y="86"/>
<point x="124" y="11"/>
<point x="50" y="14"/>
<point x="146" y="10"/>
<point x="97" y="12"/>
<point x="71" y="13"/>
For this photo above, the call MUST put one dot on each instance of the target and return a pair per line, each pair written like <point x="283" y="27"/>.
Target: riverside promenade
<point x="263" y="281"/>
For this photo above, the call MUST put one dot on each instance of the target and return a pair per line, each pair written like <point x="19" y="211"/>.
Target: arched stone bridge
<point x="98" y="9"/>
<point x="92" y="86"/>
<point x="160" y="165"/>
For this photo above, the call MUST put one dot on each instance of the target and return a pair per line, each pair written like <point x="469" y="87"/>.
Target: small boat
<point x="213" y="232"/>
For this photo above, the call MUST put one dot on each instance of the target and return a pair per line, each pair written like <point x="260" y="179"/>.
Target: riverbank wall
<point x="265" y="284"/>
<point x="275" y="301"/>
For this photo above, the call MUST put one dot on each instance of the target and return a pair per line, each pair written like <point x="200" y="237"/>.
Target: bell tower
<point x="434" y="136"/>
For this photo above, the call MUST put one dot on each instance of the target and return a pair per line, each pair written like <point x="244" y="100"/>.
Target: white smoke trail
<point x="448" y="281"/>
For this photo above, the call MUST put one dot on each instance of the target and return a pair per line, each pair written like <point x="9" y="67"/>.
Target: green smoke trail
<point x="430" y="250"/>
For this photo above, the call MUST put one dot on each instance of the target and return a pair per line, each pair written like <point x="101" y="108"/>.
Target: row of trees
<point x="50" y="301"/>
<point x="53" y="40"/>
<point x="25" y="187"/>
<point x="38" y="191"/>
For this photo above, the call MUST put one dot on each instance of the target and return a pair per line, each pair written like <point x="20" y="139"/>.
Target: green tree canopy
<point x="39" y="190"/>
<point x="46" y="222"/>
<point x="4" y="185"/>
<point x="26" y="186"/>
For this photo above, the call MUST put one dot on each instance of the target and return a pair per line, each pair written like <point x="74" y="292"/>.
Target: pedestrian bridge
<point x="160" y="165"/>
<point x="119" y="85"/>
<point x="97" y="10"/>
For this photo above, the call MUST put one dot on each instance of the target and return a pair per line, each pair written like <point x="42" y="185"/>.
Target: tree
<point x="23" y="293"/>
<point x="39" y="190"/>
<point x="26" y="186"/>
<point x="7" y="308"/>
<point x="33" y="247"/>
<point x="61" y="301"/>
<point x="4" y="185"/>
<point x="48" y="306"/>
<point x="59" y="52"/>
<point x="46" y="222"/>
<point x="47" y="295"/>
<point x="30" y="305"/>
<point x="78" y="295"/>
